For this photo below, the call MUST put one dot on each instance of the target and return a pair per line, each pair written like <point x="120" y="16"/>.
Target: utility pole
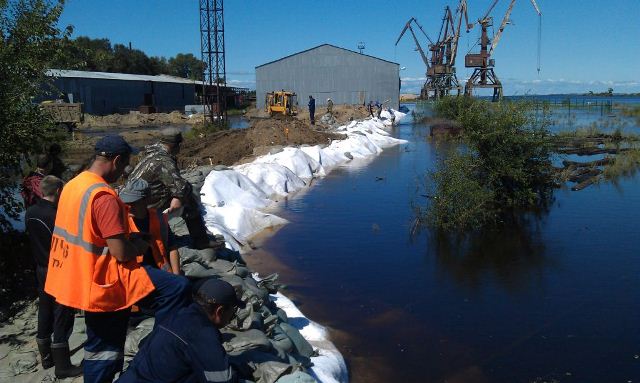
<point x="212" y="51"/>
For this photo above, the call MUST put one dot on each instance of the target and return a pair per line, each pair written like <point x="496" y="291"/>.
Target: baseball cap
<point x="220" y="292"/>
<point x="113" y="144"/>
<point x="134" y="191"/>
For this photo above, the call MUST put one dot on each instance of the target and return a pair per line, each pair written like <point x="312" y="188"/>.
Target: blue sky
<point x="586" y="44"/>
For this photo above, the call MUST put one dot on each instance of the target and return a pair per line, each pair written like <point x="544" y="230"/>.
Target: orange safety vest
<point x="159" y="230"/>
<point x="82" y="273"/>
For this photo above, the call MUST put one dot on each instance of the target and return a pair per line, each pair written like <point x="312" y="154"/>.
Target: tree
<point x="29" y="41"/>
<point x="503" y="166"/>
<point x="187" y="66"/>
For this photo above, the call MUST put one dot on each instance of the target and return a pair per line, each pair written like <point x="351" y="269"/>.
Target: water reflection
<point x="513" y="257"/>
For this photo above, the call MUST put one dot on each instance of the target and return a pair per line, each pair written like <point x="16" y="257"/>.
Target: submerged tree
<point x="29" y="40"/>
<point x="502" y="165"/>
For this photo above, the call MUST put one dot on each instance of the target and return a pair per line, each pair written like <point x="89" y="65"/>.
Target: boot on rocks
<point x="62" y="361"/>
<point x="44" y="348"/>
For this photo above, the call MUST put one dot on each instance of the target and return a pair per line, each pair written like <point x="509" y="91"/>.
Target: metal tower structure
<point x="212" y="50"/>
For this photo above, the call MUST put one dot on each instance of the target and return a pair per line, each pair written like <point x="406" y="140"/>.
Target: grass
<point x="626" y="165"/>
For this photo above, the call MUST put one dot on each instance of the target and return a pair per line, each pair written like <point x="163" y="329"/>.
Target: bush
<point x="503" y="165"/>
<point x="29" y="40"/>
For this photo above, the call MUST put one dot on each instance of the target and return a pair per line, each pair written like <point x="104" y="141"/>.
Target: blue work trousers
<point x="107" y="332"/>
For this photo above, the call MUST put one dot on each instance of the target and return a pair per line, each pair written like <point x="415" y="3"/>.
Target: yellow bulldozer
<point x="281" y="103"/>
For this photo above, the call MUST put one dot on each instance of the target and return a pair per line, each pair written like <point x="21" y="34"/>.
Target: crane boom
<point x="462" y="9"/>
<point x="415" y="39"/>
<point x="505" y="20"/>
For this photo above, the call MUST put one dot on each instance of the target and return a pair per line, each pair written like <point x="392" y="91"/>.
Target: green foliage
<point x="29" y="40"/>
<point x="201" y="130"/>
<point x="187" y="66"/>
<point x="452" y="107"/>
<point x="504" y="165"/>
<point x="462" y="202"/>
<point x="101" y="56"/>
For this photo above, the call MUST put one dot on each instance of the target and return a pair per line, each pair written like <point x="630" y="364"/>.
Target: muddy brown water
<point x="554" y="299"/>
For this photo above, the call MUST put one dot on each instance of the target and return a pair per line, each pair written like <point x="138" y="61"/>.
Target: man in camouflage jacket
<point x="169" y="191"/>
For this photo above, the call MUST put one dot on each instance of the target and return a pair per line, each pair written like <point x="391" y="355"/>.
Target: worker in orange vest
<point x="93" y="262"/>
<point x="162" y="253"/>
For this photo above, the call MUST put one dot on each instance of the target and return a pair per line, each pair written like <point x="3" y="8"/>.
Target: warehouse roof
<point x="117" y="76"/>
<point x="322" y="45"/>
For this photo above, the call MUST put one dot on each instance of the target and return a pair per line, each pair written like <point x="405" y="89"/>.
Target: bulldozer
<point x="281" y="103"/>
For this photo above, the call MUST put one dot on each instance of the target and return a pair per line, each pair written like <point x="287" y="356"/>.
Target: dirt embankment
<point x="225" y="147"/>
<point x="138" y="119"/>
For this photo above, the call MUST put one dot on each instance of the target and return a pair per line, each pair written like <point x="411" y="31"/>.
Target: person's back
<point x="174" y="352"/>
<point x="159" y="169"/>
<point x="187" y="347"/>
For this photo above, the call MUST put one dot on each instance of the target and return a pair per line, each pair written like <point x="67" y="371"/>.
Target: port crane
<point x="483" y="75"/>
<point x="441" y="71"/>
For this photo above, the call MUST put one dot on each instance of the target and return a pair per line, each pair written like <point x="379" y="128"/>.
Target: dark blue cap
<point x="220" y="292"/>
<point x="112" y="145"/>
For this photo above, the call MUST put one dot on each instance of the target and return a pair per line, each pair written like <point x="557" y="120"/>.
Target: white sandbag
<point x="274" y="179"/>
<point x="229" y="187"/>
<point x="329" y="366"/>
<point x="358" y="145"/>
<point x="243" y="222"/>
<point x="297" y="161"/>
<point x="329" y="159"/>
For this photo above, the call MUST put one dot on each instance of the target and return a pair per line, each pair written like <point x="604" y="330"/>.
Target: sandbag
<point x="261" y="366"/>
<point x="297" y="377"/>
<point x="301" y="345"/>
<point x="136" y="336"/>
<point x="236" y="342"/>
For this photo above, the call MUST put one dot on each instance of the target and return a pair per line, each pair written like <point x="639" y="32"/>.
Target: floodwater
<point x="554" y="299"/>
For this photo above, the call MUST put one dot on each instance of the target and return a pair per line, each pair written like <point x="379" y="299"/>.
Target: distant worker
<point x="161" y="253"/>
<point x="188" y="346"/>
<point x="93" y="262"/>
<point x="379" y="108"/>
<point x="329" y="105"/>
<point x="312" y="109"/>
<point x="31" y="183"/>
<point x="169" y="191"/>
<point x="57" y="166"/>
<point x="370" y="107"/>
<point x="53" y="318"/>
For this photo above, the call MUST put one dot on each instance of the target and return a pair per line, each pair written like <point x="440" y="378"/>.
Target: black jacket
<point x="185" y="348"/>
<point x="39" y="221"/>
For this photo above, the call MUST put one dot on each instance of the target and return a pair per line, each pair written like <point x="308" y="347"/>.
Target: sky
<point x="586" y="45"/>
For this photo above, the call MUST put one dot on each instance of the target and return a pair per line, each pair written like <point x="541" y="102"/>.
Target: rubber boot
<point x="62" y="361"/>
<point x="44" y="347"/>
<point x="198" y="231"/>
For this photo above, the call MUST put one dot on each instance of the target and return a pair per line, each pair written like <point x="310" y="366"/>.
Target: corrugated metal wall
<point x="102" y="97"/>
<point x="326" y="71"/>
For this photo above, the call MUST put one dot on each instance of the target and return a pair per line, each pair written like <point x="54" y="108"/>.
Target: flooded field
<point x="554" y="299"/>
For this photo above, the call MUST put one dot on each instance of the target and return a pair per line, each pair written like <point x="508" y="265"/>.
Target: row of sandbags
<point x="237" y="200"/>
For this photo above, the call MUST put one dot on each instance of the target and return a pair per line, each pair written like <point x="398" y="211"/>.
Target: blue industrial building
<point x="107" y="93"/>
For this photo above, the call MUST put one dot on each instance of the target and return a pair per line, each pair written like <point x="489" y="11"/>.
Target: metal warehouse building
<point x="107" y="93"/>
<point x="327" y="71"/>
